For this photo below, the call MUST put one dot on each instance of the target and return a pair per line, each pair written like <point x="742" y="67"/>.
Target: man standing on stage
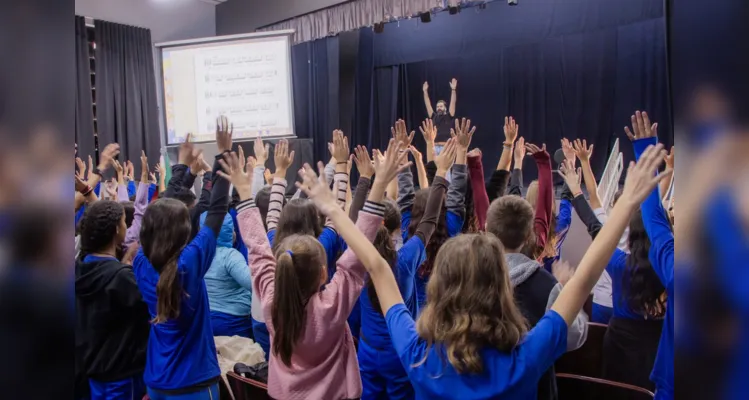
<point x="443" y="118"/>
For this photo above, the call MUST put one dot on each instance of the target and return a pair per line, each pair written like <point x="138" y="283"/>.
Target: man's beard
<point x="440" y="112"/>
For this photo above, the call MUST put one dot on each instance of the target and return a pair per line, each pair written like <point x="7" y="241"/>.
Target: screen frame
<point x="289" y="33"/>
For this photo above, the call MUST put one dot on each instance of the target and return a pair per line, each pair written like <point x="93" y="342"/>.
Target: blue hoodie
<point x="228" y="279"/>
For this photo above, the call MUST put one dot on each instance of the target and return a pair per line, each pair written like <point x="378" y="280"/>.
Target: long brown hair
<point x="165" y="232"/>
<point x="383" y="242"/>
<point x="440" y="234"/>
<point x="300" y="269"/>
<point x="298" y="217"/>
<point x="470" y="305"/>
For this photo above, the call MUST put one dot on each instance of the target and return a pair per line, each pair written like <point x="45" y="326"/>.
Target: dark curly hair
<point x="99" y="225"/>
<point x="642" y="289"/>
<point x="440" y="234"/>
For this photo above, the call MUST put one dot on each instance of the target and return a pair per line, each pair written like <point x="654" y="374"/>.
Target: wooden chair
<point x="247" y="389"/>
<point x="576" y="387"/>
<point x="588" y="359"/>
<point x="223" y="391"/>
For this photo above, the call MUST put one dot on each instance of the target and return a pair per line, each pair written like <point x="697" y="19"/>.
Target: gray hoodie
<point x="521" y="269"/>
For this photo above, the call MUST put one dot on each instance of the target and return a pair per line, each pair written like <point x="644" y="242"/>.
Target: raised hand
<point x="161" y="167"/>
<point x="224" y="132"/>
<point x="90" y="166"/>
<point x="119" y="169"/>
<point x="108" y="155"/>
<point x="462" y="133"/>
<point x="582" y="151"/>
<point x="569" y="151"/>
<point x="534" y="150"/>
<point x="317" y="189"/>
<point x="233" y="170"/>
<point x="81" y="168"/>
<point x="152" y="177"/>
<point x="453" y="84"/>
<point x="282" y="158"/>
<point x="394" y="161"/>
<point x="671" y="158"/>
<point x="340" y="148"/>
<point x="400" y="133"/>
<point x="571" y="176"/>
<point x="143" y="166"/>
<point x="641" y="177"/>
<point x="250" y="164"/>
<point x="268" y="177"/>
<point x="261" y="151"/>
<point x="416" y="154"/>
<point x="429" y="131"/>
<point x="446" y="158"/>
<point x="641" y="127"/>
<point x="80" y="185"/>
<point x="519" y="152"/>
<point x="563" y="271"/>
<point x="511" y="130"/>
<point x="425" y="86"/>
<point x="363" y="162"/>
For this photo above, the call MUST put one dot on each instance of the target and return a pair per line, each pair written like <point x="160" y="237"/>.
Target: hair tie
<point x="289" y="253"/>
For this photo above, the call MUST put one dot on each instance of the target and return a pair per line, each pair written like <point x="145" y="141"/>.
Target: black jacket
<point x="112" y="321"/>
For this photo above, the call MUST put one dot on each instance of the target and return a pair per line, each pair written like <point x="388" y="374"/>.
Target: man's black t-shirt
<point x="443" y="123"/>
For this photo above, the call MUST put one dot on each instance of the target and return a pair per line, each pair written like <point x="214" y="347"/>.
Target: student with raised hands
<point x="500" y="178"/>
<point x="112" y="321"/>
<point x="313" y="353"/>
<point x="381" y="371"/>
<point x="639" y="299"/>
<point x="170" y="268"/>
<point x="661" y="254"/>
<point x="471" y="339"/>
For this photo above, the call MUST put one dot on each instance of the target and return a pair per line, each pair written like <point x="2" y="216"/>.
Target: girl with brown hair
<point x="471" y="339"/>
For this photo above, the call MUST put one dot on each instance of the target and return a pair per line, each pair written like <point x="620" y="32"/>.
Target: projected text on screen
<point x="248" y="81"/>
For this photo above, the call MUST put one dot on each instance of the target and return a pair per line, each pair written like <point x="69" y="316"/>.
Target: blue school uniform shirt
<point x="617" y="267"/>
<point x="181" y="352"/>
<point x="728" y="238"/>
<point x="374" y="327"/>
<point x="454" y="224"/>
<point x="662" y="258"/>
<point x="512" y="375"/>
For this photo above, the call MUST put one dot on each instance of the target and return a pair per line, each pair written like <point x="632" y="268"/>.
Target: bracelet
<point x="580" y="193"/>
<point x="342" y="162"/>
<point x="507" y="145"/>
<point x="96" y="171"/>
<point x="88" y="190"/>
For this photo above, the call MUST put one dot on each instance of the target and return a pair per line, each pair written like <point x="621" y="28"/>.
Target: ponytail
<point x="288" y="309"/>
<point x="300" y="266"/>
<point x="168" y="293"/>
<point x="383" y="242"/>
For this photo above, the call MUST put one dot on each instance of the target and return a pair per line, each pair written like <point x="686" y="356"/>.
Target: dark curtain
<point x="84" y="116"/>
<point x="562" y="69"/>
<point x="126" y="91"/>
<point x="315" y="75"/>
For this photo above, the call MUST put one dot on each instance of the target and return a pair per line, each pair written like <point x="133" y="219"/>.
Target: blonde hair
<point x="470" y="303"/>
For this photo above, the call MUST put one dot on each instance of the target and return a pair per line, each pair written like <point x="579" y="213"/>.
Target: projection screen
<point x="247" y="78"/>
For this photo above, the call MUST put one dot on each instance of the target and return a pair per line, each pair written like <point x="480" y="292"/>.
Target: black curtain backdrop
<point x="315" y="74"/>
<point x="574" y="69"/>
<point x="126" y="91"/>
<point x="84" y="115"/>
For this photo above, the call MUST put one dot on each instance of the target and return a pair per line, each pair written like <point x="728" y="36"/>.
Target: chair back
<point x="576" y="387"/>
<point x="588" y="359"/>
<point x="245" y="388"/>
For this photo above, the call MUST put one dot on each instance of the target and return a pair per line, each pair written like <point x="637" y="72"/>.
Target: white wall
<point x="167" y="19"/>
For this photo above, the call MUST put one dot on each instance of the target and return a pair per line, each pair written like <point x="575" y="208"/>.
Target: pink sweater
<point x="324" y="363"/>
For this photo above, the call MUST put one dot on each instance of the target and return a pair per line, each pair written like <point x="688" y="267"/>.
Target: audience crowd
<point x="447" y="286"/>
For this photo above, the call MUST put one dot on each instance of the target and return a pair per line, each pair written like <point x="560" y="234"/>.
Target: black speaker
<point x="426" y="17"/>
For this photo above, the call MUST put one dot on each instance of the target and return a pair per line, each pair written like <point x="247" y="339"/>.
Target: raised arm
<point x="455" y="203"/>
<point x="121" y="185"/>
<point x="360" y="244"/>
<point x="516" y="176"/>
<point x="366" y="171"/>
<point x="420" y="169"/>
<point x="665" y="185"/>
<point x="582" y="208"/>
<point x="429" y="131"/>
<point x="640" y="182"/>
<point x="261" y="151"/>
<point x="427" y="102"/>
<point x="453" y="96"/>
<point x="283" y="160"/>
<point x="141" y="202"/>
<point x="545" y="194"/>
<point x="480" y="197"/>
<point x="584" y="153"/>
